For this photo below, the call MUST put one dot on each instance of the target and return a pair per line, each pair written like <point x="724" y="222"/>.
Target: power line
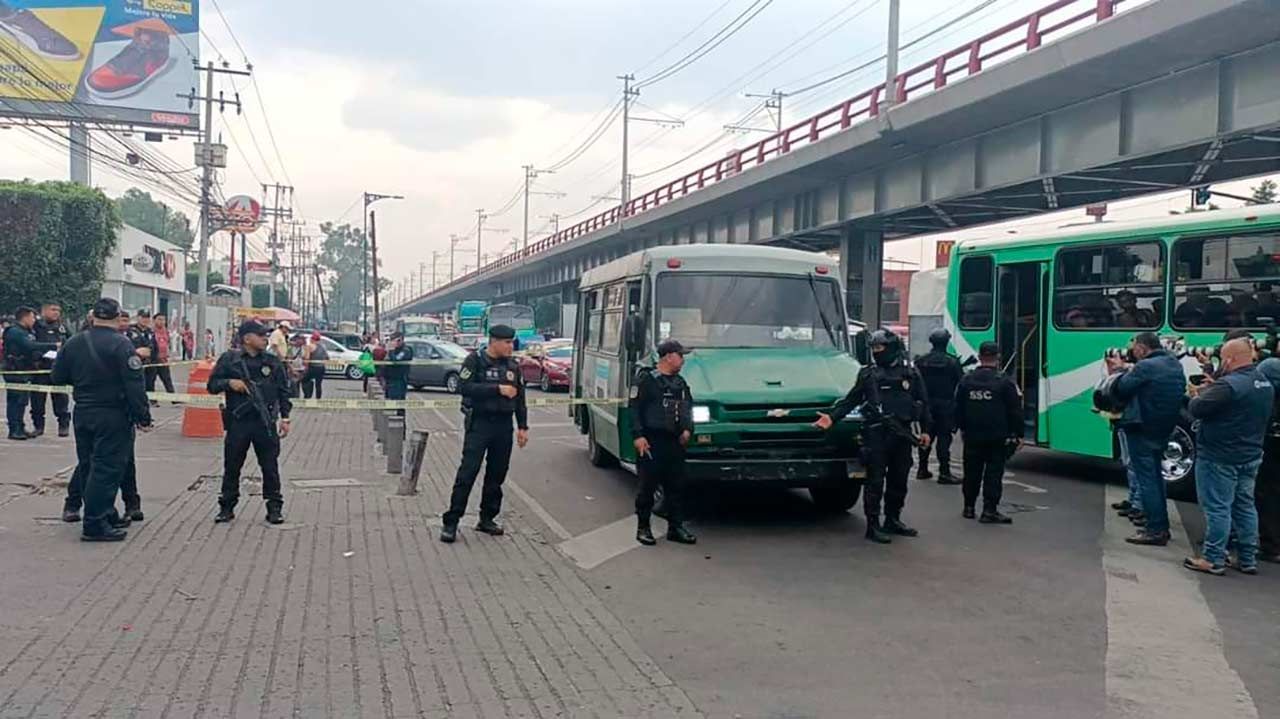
<point x="726" y="32"/>
<point x="684" y="37"/>
<point x="231" y="32"/>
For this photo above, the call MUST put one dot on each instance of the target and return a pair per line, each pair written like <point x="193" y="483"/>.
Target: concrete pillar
<point x="862" y="267"/>
<point x="568" y="308"/>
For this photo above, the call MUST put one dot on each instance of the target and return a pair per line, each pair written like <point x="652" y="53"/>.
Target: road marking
<point x="555" y="527"/>
<point x="445" y="419"/>
<point x="598" y="546"/>
<point x="1028" y="487"/>
<point x="1165" y="654"/>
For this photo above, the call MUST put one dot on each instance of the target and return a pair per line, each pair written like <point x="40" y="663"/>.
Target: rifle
<point x="256" y="403"/>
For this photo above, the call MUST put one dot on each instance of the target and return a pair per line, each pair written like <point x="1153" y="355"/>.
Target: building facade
<point x="147" y="272"/>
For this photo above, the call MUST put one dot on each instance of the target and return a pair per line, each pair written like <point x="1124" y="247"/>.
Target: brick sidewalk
<point x="351" y="608"/>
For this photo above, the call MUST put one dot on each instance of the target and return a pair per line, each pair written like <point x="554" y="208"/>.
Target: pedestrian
<point x="941" y="372"/>
<point x="989" y="416"/>
<point x="22" y="353"/>
<point x="492" y="392"/>
<point x="210" y="344"/>
<point x="110" y="402"/>
<point x="1234" y="411"/>
<point x="1267" y="491"/>
<point x="396" y="370"/>
<point x="278" y="344"/>
<point x="316" y="356"/>
<point x="295" y="362"/>
<point x="661" y="410"/>
<point x="49" y="329"/>
<point x="256" y="386"/>
<point x="161" y="342"/>
<point x="188" y="341"/>
<point x="894" y="399"/>
<point x="379" y="368"/>
<point x="1157" y="383"/>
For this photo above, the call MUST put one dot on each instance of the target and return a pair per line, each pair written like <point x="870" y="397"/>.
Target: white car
<point x="342" y="360"/>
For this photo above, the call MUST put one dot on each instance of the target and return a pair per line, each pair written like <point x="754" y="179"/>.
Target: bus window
<point x="976" y="285"/>
<point x="612" y="330"/>
<point x="1110" y="287"/>
<point x="1226" y="282"/>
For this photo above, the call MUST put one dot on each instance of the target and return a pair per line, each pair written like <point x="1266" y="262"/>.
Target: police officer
<point x="397" y="374"/>
<point x="492" y="392"/>
<point x="257" y="392"/>
<point x="989" y="415"/>
<point x="893" y="398"/>
<point x="21" y="354"/>
<point x="50" y="330"/>
<point x="110" y="401"/>
<point x="661" y="422"/>
<point x="941" y="372"/>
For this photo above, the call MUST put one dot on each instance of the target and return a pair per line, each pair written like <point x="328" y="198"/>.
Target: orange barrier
<point x="201" y="421"/>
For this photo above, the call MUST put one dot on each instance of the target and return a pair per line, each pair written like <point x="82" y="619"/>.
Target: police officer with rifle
<point x="893" y="403"/>
<point x="110" y="402"/>
<point x="256" y="385"/>
<point x="21" y="354"/>
<point x="989" y="415"/>
<point x="493" y="392"/>
<point x="941" y="372"/>
<point x="662" y="421"/>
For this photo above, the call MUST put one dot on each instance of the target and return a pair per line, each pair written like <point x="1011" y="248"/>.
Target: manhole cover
<point x="323" y="483"/>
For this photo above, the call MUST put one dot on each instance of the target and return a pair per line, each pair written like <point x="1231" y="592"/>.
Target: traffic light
<point x="1200" y="196"/>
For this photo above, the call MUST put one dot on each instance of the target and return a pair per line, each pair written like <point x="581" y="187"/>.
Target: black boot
<point x="70" y="513"/>
<point x="677" y="533"/>
<point x="488" y="526"/>
<point x="644" y="534"/>
<point x="134" y="511"/>
<point x="994" y="517"/>
<point x="18" y="436"/>
<point x="923" y="471"/>
<point x="104" y="534"/>
<point x="875" y="533"/>
<point x="945" y="476"/>
<point x="225" y="514"/>
<point x="64" y="428"/>
<point x="118" y="522"/>
<point x="37" y="431"/>
<point x="894" y="525"/>
<point x="449" y="533"/>
<point x="968" y="512"/>
<point x="274" y="516"/>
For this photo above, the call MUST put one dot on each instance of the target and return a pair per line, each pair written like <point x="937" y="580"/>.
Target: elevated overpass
<point x="1082" y="101"/>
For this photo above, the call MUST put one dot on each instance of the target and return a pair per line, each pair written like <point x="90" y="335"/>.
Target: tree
<point x="1265" y="193"/>
<point x="56" y="238"/>
<point x="193" y="279"/>
<point x="343" y="257"/>
<point x="140" y="210"/>
<point x="262" y="296"/>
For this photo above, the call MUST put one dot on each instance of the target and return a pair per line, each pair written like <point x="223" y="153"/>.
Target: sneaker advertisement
<point x="105" y="60"/>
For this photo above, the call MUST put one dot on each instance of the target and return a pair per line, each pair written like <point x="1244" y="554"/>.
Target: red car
<point x="547" y="366"/>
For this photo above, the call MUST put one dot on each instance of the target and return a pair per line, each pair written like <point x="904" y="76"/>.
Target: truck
<point x="770" y="351"/>
<point x="518" y="317"/>
<point x="419" y="326"/>
<point x="468" y="316"/>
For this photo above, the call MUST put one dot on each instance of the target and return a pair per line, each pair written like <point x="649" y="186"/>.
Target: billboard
<point x="116" y="61"/>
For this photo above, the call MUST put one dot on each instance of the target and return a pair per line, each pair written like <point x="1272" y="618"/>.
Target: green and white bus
<point x="1056" y="303"/>
<point x="770" y="350"/>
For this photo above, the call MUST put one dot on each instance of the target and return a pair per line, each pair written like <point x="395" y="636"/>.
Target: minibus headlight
<point x="701" y="414"/>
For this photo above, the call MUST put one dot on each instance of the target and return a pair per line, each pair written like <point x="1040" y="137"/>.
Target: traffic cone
<point x="201" y="421"/>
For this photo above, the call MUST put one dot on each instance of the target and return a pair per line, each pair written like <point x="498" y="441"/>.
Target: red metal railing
<point x="1024" y="34"/>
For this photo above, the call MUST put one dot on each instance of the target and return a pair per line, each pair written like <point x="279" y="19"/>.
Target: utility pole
<point x="434" y="255"/>
<point x="275" y="212"/>
<point x="373" y="241"/>
<point x="206" y="156"/>
<point x="891" y="59"/>
<point x="480" y="217"/>
<point x="627" y="94"/>
<point x="529" y="175"/>
<point x="555" y="222"/>
<point x="772" y="101"/>
<point x="368" y="198"/>
<point x="453" y="243"/>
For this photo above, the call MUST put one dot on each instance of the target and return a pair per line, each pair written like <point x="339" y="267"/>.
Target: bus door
<point x="1020" y="333"/>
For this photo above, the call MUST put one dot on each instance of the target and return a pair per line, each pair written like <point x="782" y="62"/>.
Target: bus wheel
<point x="836" y="500"/>
<point x="1179" y="464"/>
<point x="598" y="455"/>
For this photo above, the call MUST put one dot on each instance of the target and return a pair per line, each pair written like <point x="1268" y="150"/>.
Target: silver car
<point x="448" y="358"/>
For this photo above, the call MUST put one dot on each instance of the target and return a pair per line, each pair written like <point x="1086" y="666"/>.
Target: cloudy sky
<point x="444" y="102"/>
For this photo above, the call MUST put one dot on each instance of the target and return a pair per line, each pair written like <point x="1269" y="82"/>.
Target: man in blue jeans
<point x="1158" y="385"/>
<point x="1234" y="410"/>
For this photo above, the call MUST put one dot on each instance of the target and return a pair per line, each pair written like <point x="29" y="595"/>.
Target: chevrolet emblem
<point x="778" y="412"/>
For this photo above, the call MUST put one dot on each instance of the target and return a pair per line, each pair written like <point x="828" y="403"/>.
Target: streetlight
<point x="369" y="198"/>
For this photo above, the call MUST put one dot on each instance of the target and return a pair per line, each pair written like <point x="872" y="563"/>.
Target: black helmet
<point x="891" y="347"/>
<point x="940" y="336"/>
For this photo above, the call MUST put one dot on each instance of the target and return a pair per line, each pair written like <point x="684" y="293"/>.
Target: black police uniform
<point x="21" y="354"/>
<point x="397" y="375"/>
<point x="50" y="333"/>
<point x="661" y="410"/>
<point x="488" y="435"/>
<point x="110" y="401"/>
<point x="989" y="415"/>
<point x="893" y="397"/>
<point x="246" y="426"/>
<point x="941" y="373"/>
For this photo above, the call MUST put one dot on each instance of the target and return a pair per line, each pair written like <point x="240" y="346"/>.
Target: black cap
<point x="252" y="327"/>
<point x="666" y="347"/>
<point x="502" y="332"/>
<point x="106" y="309"/>
<point x="988" y="349"/>
<point x="144" y="313"/>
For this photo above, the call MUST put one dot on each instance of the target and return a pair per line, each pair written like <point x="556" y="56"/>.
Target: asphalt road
<point x="781" y="612"/>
